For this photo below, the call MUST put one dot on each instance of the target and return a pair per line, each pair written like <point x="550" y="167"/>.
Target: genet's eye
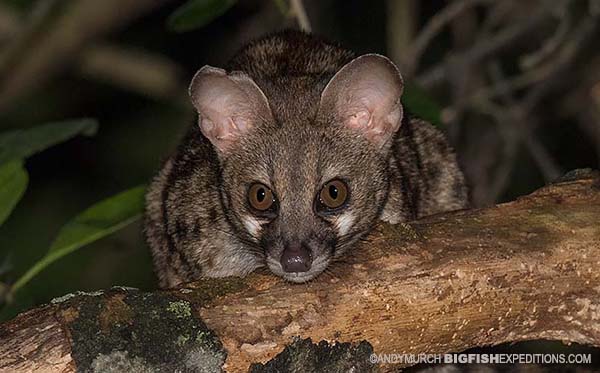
<point x="333" y="195"/>
<point x="260" y="197"/>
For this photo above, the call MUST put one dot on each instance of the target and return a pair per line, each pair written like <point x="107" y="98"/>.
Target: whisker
<point x="252" y="245"/>
<point x="329" y="273"/>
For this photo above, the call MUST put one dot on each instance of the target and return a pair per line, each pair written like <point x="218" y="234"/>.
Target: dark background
<point x="520" y="111"/>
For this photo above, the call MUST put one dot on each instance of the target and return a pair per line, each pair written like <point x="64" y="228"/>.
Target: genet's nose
<point x="296" y="258"/>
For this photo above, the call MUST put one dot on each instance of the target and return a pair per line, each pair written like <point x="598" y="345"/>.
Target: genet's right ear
<point x="228" y="105"/>
<point x="364" y="96"/>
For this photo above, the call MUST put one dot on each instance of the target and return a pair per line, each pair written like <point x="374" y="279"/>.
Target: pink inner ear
<point x="365" y="96"/>
<point x="225" y="131"/>
<point x="359" y="120"/>
<point x="228" y="105"/>
<point x="376" y="126"/>
<point x="372" y="110"/>
<point x="219" y="132"/>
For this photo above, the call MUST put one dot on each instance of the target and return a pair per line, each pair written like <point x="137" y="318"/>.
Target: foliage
<point x="20" y="144"/>
<point x="99" y="220"/>
<point x="13" y="182"/>
<point x="94" y="223"/>
<point x="419" y="103"/>
<point x="197" y="13"/>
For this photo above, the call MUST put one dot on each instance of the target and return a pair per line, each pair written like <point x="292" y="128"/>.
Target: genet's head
<point x="303" y="192"/>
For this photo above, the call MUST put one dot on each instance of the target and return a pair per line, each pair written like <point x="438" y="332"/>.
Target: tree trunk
<point x="523" y="270"/>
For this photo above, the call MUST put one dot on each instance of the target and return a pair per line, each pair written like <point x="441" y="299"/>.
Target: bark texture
<point x="528" y="269"/>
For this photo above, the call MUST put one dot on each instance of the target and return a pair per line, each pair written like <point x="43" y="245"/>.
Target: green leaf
<point x="419" y="103"/>
<point x="283" y="7"/>
<point x="197" y="13"/>
<point x="13" y="182"/>
<point x="20" y="144"/>
<point x="100" y="220"/>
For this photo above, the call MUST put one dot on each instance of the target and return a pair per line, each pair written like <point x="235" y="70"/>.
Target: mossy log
<point x="528" y="269"/>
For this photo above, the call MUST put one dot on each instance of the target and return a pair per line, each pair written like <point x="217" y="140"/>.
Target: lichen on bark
<point x="304" y="356"/>
<point x="139" y="332"/>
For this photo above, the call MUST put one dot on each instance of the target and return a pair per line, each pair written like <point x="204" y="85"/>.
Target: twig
<point x="142" y="72"/>
<point x="495" y="16"/>
<point x="135" y="70"/>
<point x="433" y="28"/>
<point x="582" y="35"/>
<point x="542" y="76"/>
<point x="520" y="117"/>
<point x="9" y="22"/>
<point x="553" y="43"/>
<point x="401" y="23"/>
<point x="543" y="158"/>
<point x="510" y="139"/>
<point x="300" y="13"/>
<point x="482" y="49"/>
<point x="464" y="29"/>
<point x="34" y="60"/>
<point x="40" y="16"/>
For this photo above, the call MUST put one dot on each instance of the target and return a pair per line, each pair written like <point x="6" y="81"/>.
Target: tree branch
<point x="517" y="271"/>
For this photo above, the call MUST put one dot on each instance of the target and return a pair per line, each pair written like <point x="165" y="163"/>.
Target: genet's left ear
<point x="229" y="106"/>
<point x="364" y="96"/>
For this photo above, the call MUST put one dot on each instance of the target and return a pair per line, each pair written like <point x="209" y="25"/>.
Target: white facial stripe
<point x="252" y="225"/>
<point x="344" y="223"/>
